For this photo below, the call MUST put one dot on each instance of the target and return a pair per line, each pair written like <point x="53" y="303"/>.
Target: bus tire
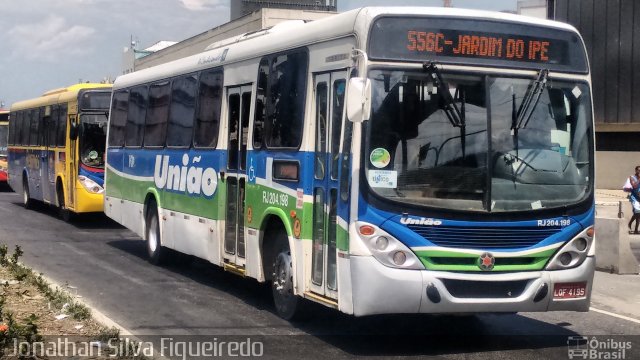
<point x="26" y="195"/>
<point x="63" y="212"/>
<point x="157" y="253"/>
<point x="288" y="305"/>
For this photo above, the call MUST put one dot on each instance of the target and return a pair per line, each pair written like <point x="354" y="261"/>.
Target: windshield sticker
<point x="536" y="205"/>
<point x="380" y="158"/>
<point x="576" y="92"/>
<point x="383" y="179"/>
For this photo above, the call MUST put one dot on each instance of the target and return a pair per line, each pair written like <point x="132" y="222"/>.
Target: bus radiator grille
<point x="482" y="238"/>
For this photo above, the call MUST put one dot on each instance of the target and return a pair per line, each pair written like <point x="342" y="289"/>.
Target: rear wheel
<point x="157" y="253"/>
<point x="288" y="305"/>
<point x="26" y="196"/>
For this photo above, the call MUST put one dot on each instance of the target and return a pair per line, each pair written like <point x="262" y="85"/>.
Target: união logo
<point x="421" y="221"/>
<point x="193" y="179"/>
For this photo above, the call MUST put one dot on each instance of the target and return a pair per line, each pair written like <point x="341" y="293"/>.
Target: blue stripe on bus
<point x="453" y="232"/>
<point x="97" y="176"/>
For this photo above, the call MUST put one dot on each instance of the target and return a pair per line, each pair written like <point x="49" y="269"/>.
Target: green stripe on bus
<point x="443" y="260"/>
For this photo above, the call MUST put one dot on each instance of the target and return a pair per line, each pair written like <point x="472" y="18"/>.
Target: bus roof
<point x="57" y="95"/>
<point x="351" y="23"/>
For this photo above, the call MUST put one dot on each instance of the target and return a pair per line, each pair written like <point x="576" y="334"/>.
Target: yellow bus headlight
<point x="90" y="185"/>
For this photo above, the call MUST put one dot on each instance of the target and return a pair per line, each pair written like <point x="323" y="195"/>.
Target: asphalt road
<point x="106" y="265"/>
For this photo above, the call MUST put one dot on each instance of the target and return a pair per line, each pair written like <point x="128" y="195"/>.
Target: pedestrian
<point x="632" y="186"/>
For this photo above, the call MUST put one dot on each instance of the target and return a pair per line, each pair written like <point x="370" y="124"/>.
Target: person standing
<point x="632" y="186"/>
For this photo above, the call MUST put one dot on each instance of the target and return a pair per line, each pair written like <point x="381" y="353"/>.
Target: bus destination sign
<point x="476" y="42"/>
<point x="483" y="45"/>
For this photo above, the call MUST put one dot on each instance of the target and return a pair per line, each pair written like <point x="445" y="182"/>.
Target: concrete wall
<point x="613" y="168"/>
<point x="613" y="241"/>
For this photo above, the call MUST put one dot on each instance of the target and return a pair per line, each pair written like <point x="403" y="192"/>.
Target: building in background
<point x="534" y="8"/>
<point x="611" y="32"/>
<point x="260" y="18"/>
<point x="240" y="8"/>
<point x="131" y="54"/>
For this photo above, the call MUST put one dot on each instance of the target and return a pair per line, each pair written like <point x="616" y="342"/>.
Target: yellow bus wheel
<point x="64" y="213"/>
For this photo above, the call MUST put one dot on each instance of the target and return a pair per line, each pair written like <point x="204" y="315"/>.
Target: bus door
<point x="50" y="124"/>
<point x="238" y="109"/>
<point x="329" y="102"/>
<point x="72" y="162"/>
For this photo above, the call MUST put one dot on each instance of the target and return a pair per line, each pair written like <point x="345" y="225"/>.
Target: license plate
<point x="569" y="290"/>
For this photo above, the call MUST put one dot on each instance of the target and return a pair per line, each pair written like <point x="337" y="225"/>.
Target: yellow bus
<point x="56" y="148"/>
<point x="4" y="124"/>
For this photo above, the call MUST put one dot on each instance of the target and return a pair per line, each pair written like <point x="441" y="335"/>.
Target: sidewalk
<point x="603" y="196"/>
<point x="612" y="292"/>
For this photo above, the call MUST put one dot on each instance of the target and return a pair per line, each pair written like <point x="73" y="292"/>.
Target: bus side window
<point x="182" y="111"/>
<point x="207" y="123"/>
<point x="119" y="110"/>
<point x="26" y="124"/>
<point x="134" y="130"/>
<point x="34" y="119"/>
<point x="41" y="127"/>
<point x="286" y="100"/>
<point x="261" y="108"/>
<point x="52" y="126"/>
<point x="157" y="114"/>
<point x="62" y="126"/>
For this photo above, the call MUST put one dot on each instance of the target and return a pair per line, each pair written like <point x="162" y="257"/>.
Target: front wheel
<point x="157" y="253"/>
<point x="288" y="305"/>
<point x="63" y="212"/>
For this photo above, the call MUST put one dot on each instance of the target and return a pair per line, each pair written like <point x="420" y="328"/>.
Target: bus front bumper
<point x="378" y="289"/>
<point x="88" y="202"/>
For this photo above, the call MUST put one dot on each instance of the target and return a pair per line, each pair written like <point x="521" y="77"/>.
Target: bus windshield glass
<point x="95" y="100"/>
<point x="492" y="154"/>
<point x="93" y="136"/>
<point x="4" y="131"/>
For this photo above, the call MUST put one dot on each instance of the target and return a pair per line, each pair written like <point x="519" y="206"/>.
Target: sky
<point x="48" y="44"/>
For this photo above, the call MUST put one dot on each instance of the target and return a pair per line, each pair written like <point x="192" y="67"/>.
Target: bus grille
<point x="485" y="237"/>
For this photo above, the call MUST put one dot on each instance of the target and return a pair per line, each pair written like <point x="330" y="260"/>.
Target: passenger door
<point x="72" y="162"/>
<point x="329" y="101"/>
<point x="238" y="111"/>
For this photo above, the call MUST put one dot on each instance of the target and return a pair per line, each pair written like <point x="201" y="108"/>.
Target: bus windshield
<point x="490" y="158"/>
<point x="93" y="136"/>
<point x="4" y="131"/>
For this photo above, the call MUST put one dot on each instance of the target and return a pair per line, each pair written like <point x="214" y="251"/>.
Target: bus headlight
<point x="90" y="185"/>
<point x="574" y="252"/>
<point x="387" y="249"/>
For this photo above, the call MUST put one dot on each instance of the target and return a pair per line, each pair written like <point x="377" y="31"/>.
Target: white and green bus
<point x="383" y="160"/>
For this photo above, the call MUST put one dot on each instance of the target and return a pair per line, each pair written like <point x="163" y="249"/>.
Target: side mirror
<point x="359" y="99"/>
<point x="73" y="131"/>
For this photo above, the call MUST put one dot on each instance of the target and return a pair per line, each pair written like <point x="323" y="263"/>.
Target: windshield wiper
<point x="521" y="117"/>
<point x="530" y="101"/>
<point x="455" y="115"/>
